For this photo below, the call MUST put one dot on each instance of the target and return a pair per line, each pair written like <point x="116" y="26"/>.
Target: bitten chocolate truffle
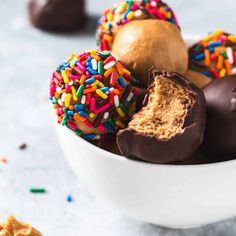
<point x="146" y="43"/>
<point x="220" y="136"/>
<point x="170" y="127"/>
<point x="57" y="15"/>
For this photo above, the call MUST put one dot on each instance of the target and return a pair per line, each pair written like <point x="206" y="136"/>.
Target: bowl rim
<point x="116" y="157"/>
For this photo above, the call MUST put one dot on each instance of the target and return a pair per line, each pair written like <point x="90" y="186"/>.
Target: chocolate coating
<point x="177" y="148"/>
<point x="220" y="136"/>
<point x="57" y="15"/>
<point x="146" y="43"/>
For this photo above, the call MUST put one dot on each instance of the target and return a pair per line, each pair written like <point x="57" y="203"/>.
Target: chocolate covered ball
<point x="121" y="13"/>
<point x="220" y="136"/>
<point x="214" y="55"/>
<point x="170" y="127"/>
<point x="197" y="78"/>
<point x="146" y="43"/>
<point x="92" y="94"/>
<point x="57" y="15"/>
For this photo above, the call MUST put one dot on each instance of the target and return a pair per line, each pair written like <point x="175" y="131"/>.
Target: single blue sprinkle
<point x="90" y="80"/>
<point x="84" y="114"/>
<point x="70" y="113"/>
<point x="104" y="89"/>
<point x="109" y="25"/>
<point x="121" y="82"/>
<point x="91" y="71"/>
<point x="89" y="59"/>
<point x="125" y="15"/>
<point x="98" y="22"/>
<point x="214" y="44"/>
<point x="199" y="56"/>
<point x="79" y="107"/>
<point x="207" y="73"/>
<point x="211" y="50"/>
<point x="69" y="198"/>
<point x="88" y="64"/>
<point x="89" y="136"/>
<point x="109" y="126"/>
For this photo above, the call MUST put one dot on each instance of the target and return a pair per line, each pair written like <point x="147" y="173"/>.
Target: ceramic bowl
<point x="173" y="196"/>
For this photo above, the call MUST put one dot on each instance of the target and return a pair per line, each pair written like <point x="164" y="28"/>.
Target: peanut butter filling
<point x="164" y="115"/>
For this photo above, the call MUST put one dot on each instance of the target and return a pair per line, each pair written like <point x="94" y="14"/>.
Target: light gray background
<point x="27" y="58"/>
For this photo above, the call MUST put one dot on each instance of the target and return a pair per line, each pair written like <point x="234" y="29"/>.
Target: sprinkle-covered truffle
<point x="125" y="11"/>
<point x="92" y="94"/>
<point x="214" y="55"/>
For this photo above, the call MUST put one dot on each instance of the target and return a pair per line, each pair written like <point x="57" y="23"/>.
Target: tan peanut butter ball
<point x="146" y="43"/>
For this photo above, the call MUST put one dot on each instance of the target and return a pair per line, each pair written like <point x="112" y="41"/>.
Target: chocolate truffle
<point x="146" y="43"/>
<point x="170" y="127"/>
<point x="220" y="136"/>
<point x="92" y="94"/>
<point x="214" y="55"/>
<point x="197" y="78"/>
<point x="57" y="15"/>
<point x="115" y="17"/>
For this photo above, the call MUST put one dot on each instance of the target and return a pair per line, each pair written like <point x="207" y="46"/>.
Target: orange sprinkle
<point x="108" y="72"/>
<point x="119" y="69"/>
<point x="78" y="117"/>
<point x="97" y="58"/>
<point x="218" y="50"/>
<point x="82" y="79"/>
<point x="90" y="90"/>
<point x="116" y="92"/>
<point x="204" y="43"/>
<point x="207" y="57"/>
<point x="220" y="62"/>
<point x="71" y="107"/>
<point x="55" y="106"/>
<point x="228" y="67"/>
<point x="108" y="38"/>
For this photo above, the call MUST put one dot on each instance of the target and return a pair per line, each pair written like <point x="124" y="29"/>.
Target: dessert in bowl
<point x="176" y="196"/>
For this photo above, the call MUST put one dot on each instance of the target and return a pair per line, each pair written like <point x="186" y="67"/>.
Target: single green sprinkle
<point x="80" y="90"/>
<point x="224" y="55"/>
<point x="105" y="53"/>
<point x="64" y="120"/>
<point x="37" y="190"/>
<point x="111" y="121"/>
<point x="78" y="132"/>
<point x="100" y="68"/>
<point x="198" y="47"/>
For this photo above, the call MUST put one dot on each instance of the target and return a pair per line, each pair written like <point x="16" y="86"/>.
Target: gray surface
<point x="27" y="57"/>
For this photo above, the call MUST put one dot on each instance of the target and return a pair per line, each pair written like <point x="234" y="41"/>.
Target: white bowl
<point x="165" y="195"/>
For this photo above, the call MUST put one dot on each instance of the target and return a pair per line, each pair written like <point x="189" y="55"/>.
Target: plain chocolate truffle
<point x="220" y="136"/>
<point x="57" y="15"/>
<point x="146" y="43"/>
<point x="170" y="126"/>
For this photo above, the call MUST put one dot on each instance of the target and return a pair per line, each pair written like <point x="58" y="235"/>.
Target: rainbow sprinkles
<point x="92" y="94"/>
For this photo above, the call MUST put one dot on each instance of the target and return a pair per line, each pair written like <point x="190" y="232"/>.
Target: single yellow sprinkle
<point x="93" y="51"/>
<point x="120" y="124"/>
<point x="67" y="100"/>
<point x="110" y="17"/>
<point x="120" y="112"/>
<point x="232" y="38"/>
<point x="75" y="98"/>
<point x="130" y="16"/>
<point x="91" y="115"/>
<point x="95" y="83"/>
<point x="101" y="94"/>
<point x="223" y="72"/>
<point x="65" y="77"/>
<point x="126" y="71"/>
<point x="101" y="85"/>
